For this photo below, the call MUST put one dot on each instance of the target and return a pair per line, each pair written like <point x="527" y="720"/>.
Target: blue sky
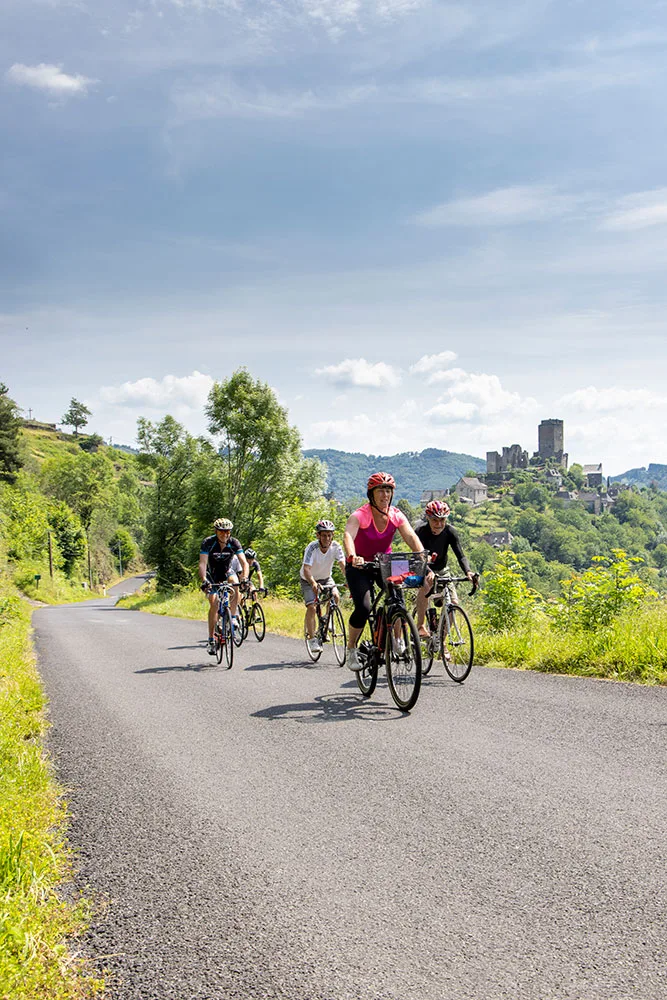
<point x="424" y="224"/>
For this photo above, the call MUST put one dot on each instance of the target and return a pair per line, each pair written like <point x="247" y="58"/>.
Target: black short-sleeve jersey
<point x="440" y="545"/>
<point x="219" y="559"/>
<point x="253" y="567"/>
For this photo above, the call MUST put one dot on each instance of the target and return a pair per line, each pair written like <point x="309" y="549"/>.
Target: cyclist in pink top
<point x="370" y="530"/>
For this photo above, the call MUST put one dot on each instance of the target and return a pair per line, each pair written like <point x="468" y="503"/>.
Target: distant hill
<point x="414" y="471"/>
<point x="644" y="477"/>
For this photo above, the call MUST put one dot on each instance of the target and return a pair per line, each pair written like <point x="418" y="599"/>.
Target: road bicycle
<point x="330" y="625"/>
<point x="251" y="612"/>
<point x="223" y="634"/>
<point x="390" y="636"/>
<point x="450" y="634"/>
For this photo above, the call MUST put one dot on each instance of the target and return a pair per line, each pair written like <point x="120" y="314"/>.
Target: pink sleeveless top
<point x="369" y="540"/>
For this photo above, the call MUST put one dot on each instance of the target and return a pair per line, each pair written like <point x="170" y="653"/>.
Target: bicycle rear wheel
<point x="314" y="654"/>
<point x="367" y="677"/>
<point x="456" y="642"/>
<point x="338" y="635"/>
<point x="258" y="621"/>
<point x="245" y="617"/>
<point x="403" y="660"/>
<point x="226" y="641"/>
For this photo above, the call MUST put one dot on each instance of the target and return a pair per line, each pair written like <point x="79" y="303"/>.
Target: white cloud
<point x="477" y="398"/>
<point x="430" y="363"/>
<point x="503" y="207"/>
<point x="49" y="77"/>
<point x="613" y="400"/>
<point x="180" y="396"/>
<point x="360" y="373"/>
<point x="639" y="211"/>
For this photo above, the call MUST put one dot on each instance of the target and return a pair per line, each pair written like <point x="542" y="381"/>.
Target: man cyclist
<point x="316" y="567"/>
<point x="215" y="566"/>
<point x="254" y="567"/>
<point x="437" y="537"/>
<point x="369" y="531"/>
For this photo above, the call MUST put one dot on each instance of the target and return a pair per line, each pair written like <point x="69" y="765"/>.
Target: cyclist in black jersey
<point x="254" y="567"/>
<point x="437" y="537"/>
<point x="215" y="566"/>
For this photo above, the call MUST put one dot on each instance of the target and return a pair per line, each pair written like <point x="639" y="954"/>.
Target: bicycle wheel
<point x="217" y="639"/>
<point x="258" y="621"/>
<point x="456" y="642"/>
<point x="314" y="654"/>
<point x="338" y="634"/>
<point x="226" y="638"/>
<point x="238" y="635"/>
<point x="245" y="616"/>
<point x="403" y="660"/>
<point x="367" y="677"/>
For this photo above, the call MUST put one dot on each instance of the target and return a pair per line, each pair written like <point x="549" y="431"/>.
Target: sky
<point x="424" y="224"/>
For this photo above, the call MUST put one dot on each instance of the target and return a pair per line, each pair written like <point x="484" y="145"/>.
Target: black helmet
<point x="251" y="554"/>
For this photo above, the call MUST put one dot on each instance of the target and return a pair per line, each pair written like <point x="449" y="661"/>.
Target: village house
<point x="428" y="495"/>
<point x="594" y="475"/>
<point x="498" y="539"/>
<point x="472" y="489"/>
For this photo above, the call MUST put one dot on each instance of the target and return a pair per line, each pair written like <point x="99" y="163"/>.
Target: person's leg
<point x="422" y="600"/>
<point x="212" y="613"/>
<point x="234" y="596"/>
<point x="311" y="620"/>
<point x="359" y="584"/>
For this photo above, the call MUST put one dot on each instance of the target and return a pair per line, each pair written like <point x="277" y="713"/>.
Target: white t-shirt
<point x="321" y="563"/>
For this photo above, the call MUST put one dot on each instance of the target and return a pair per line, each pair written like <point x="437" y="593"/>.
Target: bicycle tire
<point x="258" y="621"/>
<point x="457" y="645"/>
<point x="314" y="654"/>
<point x="217" y="640"/>
<point x="244" y="617"/>
<point x="367" y="677"/>
<point x="404" y="669"/>
<point x="338" y="635"/>
<point x="238" y="633"/>
<point x="227" y="638"/>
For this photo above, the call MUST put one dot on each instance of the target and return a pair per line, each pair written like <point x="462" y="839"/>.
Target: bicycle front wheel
<point x="226" y="640"/>
<point x="258" y="621"/>
<point x="367" y="677"/>
<point x="403" y="660"/>
<point x="338" y="635"/>
<point x="238" y="634"/>
<point x="456" y="642"/>
<point x="313" y="652"/>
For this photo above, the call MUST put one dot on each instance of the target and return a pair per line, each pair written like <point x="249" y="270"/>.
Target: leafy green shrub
<point x="508" y="600"/>
<point x="593" y="599"/>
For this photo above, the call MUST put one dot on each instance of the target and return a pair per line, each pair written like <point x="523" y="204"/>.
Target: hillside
<point x="645" y="477"/>
<point x="413" y="471"/>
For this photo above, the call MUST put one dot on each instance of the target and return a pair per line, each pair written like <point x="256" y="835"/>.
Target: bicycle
<point x="329" y="623"/>
<point x="252" y="616"/>
<point x="451" y="637"/>
<point x="223" y="634"/>
<point x="390" y="636"/>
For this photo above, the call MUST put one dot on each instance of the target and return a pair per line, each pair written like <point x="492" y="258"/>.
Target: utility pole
<point x="50" y="555"/>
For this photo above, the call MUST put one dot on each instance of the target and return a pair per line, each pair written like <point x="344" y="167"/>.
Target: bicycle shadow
<point x="331" y="708"/>
<point x="193" y="668"/>
<point x="289" y="665"/>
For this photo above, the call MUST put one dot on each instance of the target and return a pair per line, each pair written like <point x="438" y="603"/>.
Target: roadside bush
<point x="592" y="600"/>
<point x="509" y="603"/>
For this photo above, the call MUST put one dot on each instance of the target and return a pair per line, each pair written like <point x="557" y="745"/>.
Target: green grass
<point x="283" y="617"/>
<point x="37" y="927"/>
<point x="60" y="590"/>
<point x="633" y="648"/>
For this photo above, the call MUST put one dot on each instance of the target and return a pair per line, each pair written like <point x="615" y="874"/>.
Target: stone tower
<point x="551" y="441"/>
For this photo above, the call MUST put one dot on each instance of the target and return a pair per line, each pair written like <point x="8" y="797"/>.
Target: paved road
<point x="264" y="832"/>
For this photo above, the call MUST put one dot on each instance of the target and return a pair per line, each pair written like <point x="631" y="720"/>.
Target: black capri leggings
<point x="359" y="583"/>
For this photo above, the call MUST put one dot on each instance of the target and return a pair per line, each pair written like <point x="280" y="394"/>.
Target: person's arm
<point x="458" y="552"/>
<point x="245" y="569"/>
<point x="203" y="566"/>
<point x="351" y="532"/>
<point x="407" y="533"/>
<point x="260" y="575"/>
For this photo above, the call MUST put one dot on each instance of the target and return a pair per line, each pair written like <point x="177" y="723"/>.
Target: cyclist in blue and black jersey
<point x="215" y="566"/>
<point x="254" y="567"/>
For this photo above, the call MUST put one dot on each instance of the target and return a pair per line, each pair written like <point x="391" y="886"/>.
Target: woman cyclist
<point x="369" y="531"/>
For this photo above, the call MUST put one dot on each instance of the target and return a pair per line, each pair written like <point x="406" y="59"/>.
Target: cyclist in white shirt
<point x="318" y="560"/>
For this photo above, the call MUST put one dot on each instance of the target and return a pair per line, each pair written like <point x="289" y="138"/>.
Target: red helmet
<point x="380" y="479"/>
<point x="437" y="508"/>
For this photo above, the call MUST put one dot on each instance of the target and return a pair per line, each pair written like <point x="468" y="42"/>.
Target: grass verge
<point x="632" y="648"/>
<point x="283" y="617"/>
<point x="37" y="926"/>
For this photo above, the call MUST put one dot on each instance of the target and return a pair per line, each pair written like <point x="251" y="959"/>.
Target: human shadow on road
<point x="330" y="708"/>
<point x="185" y="667"/>
<point x="288" y="665"/>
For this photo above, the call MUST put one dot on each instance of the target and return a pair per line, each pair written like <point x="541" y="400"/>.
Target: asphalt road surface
<point x="266" y="832"/>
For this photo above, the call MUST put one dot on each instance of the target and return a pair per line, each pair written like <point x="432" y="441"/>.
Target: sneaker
<point x="315" y="644"/>
<point x="399" y="645"/>
<point x="353" y="661"/>
<point x="210" y="647"/>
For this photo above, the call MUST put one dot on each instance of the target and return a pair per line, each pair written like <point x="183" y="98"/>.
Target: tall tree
<point x="10" y="424"/>
<point x="259" y="466"/>
<point x="76" y="416"/>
